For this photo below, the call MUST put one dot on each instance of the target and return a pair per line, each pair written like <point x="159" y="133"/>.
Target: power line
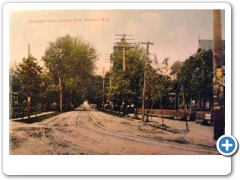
<point x="124" y="46"/>
<point x="123" y="34"/>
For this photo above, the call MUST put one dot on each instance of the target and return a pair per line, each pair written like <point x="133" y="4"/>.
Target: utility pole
<point x="123" y="49"/>
<point x="28" y="106"/>
<point x="146" y="60"/>
<point x="124" y="45"/>
<point x="110" y="69"/>
<point x="110" y="78"/>
<point x="218" y="113"/>
<point x="28" y="98"/>
<point x="29" y="50"/>
<point x="60" y="91"/>
<point x="103" y="89"/>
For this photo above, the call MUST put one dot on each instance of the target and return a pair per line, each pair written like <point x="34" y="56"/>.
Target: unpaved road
<point x="83" y="132"/>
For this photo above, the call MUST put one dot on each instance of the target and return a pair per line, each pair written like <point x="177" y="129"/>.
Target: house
<point x="208" y="45"/>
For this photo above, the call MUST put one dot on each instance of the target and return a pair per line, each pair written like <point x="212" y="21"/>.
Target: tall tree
<point x="73" y="60"/>
<point x="127" y="84"/>
<point x="158" y="83"/>
<point x="50" y="91"/>
<point x="204" y="76"/>
<point x="193" y="78"/>
<point x="26" y="79"/>
<point x="95" y="91"/>
<point x="175" y="69"/>
<point x="196" y="78"/>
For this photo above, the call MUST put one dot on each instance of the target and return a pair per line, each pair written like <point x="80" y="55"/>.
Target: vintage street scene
<point x="116" y="82"/>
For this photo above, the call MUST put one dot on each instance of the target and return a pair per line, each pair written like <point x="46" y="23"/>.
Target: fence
<point x="20" y="112"/>
<point x="199" y="115"/>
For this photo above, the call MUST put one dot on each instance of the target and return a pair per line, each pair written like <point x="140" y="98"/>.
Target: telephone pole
<point x="29" y="50"/>
<point x="218" y="113"/>
<point x="146" y="60"/>
<point x="124" y="46"/>
<point x="103" y="89"/>
<point x="110" y="69"/>
<point x="28" y="106"/>
<point x="28" y="98"/>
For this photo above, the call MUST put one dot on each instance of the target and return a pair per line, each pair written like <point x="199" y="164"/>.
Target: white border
<point x="37" y="6"/>
<point x="113" y="165"/>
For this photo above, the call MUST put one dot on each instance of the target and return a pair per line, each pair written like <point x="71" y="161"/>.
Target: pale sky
<point x="175" y="33"/>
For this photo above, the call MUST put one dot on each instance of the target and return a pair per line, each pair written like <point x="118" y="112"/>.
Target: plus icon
<point x="227" y="145"/>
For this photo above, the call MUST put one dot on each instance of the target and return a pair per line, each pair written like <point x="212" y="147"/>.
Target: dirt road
<point x="92" y="132"/>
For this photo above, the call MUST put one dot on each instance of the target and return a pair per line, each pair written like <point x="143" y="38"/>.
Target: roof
<point x="208" y="44"/>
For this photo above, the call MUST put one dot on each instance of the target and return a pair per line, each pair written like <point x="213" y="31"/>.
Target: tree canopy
<point x="26" y="80"/>
<point x="73" y="60"/>
<point x="194" y="78"/>
<point x="127" y="84"/>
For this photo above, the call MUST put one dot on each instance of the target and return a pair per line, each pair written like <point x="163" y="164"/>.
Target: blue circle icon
<point x="227" y="145"/>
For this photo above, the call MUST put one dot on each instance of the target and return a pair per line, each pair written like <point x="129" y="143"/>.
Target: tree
<point x="50" y="91"/>
<point x="15" y="88"/>
<point x="193" y="78"/>
<point x="126" y="85"/>
<point x="26" y="79"/>
<point x="177" y="86"/>
<point x="164" y="68"/>
<point x="95" y="91"/>
<point x="73" y="60"/>
<point x="175" y="69"/>
<point x="196" y="78"/>
<point x="158" y="82"/>
<point x="202" y="78"/>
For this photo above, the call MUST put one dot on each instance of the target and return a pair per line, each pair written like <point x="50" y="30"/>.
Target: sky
<point x="175" y="33"/>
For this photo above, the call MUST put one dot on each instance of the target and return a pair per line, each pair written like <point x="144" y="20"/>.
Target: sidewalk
<point x="32" y="116"/>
